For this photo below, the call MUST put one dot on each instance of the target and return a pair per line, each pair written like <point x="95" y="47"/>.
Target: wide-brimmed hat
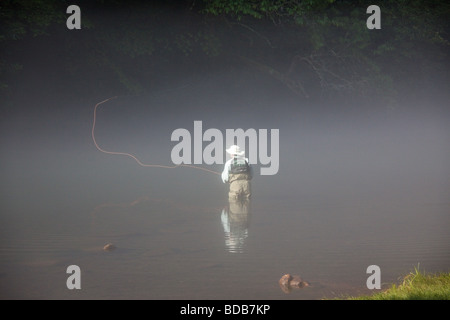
<point x="235" y="150"/>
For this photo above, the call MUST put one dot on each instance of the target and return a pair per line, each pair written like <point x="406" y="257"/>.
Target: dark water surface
<point x="347" y="196"/>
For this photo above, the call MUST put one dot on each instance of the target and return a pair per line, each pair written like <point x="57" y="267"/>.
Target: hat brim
<point x="239" y="153"/>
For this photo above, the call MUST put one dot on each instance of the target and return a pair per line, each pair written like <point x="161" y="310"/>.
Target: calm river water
<point x="346" y="197"/>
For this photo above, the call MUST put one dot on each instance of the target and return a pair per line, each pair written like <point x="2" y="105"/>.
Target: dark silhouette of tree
<point x="315" y="48"/>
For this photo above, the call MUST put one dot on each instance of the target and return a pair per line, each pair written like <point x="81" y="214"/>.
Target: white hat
<point x="235" y="150"/>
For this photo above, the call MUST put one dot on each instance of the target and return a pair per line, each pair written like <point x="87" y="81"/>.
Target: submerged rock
<point x="285" y="280"/>
<point x="289" y="282"/>
<point x="296" y="282"/>
<point x="109" y="247"/>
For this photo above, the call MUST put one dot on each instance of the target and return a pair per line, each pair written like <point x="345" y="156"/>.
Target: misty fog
<point x="359" y="183"/>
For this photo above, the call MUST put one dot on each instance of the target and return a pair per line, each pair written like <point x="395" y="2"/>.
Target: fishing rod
<point x="131" y="155"/>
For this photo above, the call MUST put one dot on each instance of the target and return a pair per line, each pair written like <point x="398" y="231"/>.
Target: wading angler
<point x="258" y="146"/>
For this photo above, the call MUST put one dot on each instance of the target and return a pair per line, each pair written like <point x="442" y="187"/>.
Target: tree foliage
<point x="316" y="48"/>
<point x="343" y="55"/>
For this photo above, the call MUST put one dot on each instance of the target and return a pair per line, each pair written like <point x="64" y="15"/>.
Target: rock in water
<point x="296" y="282"/>
<point x="288" y="282"/>
<point x="304" y="284"/>
<point x="284" y="283"/>
<point x="285" y="280"/>
<point x="109" y="247"/>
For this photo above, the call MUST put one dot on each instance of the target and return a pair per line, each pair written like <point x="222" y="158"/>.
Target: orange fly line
<point x="132" y="156"/>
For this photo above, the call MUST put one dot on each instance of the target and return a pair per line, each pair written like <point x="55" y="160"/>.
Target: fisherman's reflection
<point x="236" y="221"/>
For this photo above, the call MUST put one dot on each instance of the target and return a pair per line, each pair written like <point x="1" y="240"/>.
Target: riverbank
<point x="417" y="285"/>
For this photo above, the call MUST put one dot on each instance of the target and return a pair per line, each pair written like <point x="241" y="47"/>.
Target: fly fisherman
<point x="238" y="173"/>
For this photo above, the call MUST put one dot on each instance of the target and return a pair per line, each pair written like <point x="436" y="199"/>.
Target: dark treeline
<point x="315" y="49"/>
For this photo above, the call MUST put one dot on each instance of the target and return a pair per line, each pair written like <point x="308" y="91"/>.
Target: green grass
<point x="415" y="286"/>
